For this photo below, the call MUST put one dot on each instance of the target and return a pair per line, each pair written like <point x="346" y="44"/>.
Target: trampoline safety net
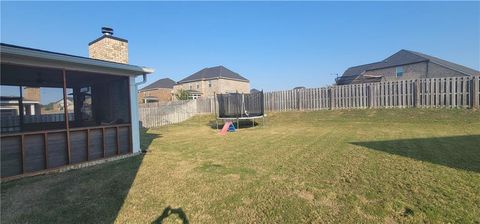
<point x="236" y="105"/>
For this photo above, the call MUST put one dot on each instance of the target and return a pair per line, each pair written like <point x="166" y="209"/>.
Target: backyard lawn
<point x="355" y="166"/>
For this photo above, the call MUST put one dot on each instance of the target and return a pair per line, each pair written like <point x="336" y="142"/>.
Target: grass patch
<point x="344" y="166"/>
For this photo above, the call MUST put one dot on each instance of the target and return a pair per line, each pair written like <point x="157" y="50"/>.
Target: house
<point x="59" y="106"/>
<point x="159" y="91"/>
<point x="209" y="81"/>
<point x="404" y="64"/>
<point x="103" y="123"/>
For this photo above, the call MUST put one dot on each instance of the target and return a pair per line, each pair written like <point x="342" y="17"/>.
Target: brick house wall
<point x="162" y="94"/>
<point x="209" y="87"/>
<point x="438" y="71"/>
<point x="414" y="71"/>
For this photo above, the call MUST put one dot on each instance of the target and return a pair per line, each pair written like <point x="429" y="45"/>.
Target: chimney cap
<point x="107" y="31"/>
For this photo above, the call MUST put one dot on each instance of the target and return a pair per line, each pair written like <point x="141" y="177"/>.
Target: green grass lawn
<point x="358" y="166"/>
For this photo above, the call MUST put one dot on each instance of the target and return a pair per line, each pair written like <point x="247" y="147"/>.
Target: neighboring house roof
<point x="60" y="101"/>
<point x="402" y="57"/>
<point x="353" y="72"/>
<point x="213" y="73"/>
<point x="450" y="65"/>
<point x="20" y="55"/>
<point x="161" y="83"/>
<point x="254" y="90"/>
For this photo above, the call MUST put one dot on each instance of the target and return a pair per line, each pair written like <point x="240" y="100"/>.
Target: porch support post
<point x="20" y="108"/>
<point x="65" y="110"/>
<point x="134" y="130"/>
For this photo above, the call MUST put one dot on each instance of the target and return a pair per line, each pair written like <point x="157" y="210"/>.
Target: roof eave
<point x="24" y="56"/>
<point x="206" y="79"/>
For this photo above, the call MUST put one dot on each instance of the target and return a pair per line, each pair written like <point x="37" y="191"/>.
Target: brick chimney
<point x="31" y="93"/>
<point x="109" y="48"/>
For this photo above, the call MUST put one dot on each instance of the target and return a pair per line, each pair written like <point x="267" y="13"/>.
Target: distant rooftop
<point x="166" y="83"/>
<point x="402" y="57"/>
<point x="213" y="73"/>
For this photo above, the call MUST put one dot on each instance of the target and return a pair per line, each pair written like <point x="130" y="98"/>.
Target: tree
<point x="182" y="94"/>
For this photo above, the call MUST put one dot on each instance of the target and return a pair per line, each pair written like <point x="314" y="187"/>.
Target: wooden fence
<point x="163" y="113"/>
<point x="451" y="92"/>
<point x="12" y="123"/>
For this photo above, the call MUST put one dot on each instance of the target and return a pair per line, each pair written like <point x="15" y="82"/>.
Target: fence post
<point x="330" y="98"/>
<point x="475" y="89"/>
<point x="416" y="95"/>
<point x="369" y="95"/>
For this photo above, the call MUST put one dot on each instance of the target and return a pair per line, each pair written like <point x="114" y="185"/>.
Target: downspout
<point x="144" y="80"/>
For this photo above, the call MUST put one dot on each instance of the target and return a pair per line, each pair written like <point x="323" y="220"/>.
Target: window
<point x="209" y="83"/>
<point x="190" y="86"/>
<point x="399" y="71"/>
<point x="198" y="86"/>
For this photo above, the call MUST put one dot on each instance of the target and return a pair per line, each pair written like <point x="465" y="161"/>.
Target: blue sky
<point x="277" y="45"/>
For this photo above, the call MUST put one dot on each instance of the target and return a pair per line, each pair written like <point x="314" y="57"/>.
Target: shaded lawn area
<point x="381" y="166"/>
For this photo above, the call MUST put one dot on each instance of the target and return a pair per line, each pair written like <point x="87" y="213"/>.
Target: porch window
<point x="33" y="99"/>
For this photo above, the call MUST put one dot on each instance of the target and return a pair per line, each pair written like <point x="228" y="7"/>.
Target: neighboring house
<point x="159" y="91"/>
<point x="404" y="64"/>
<point x="30" y="100"/>
<point x="58" y="106"/>
<point x="209" y="81"/>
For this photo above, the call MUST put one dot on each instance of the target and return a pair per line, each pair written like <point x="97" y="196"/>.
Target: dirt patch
<point x="307" y="195"/>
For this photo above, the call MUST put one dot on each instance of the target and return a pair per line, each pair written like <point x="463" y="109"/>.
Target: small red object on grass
<point x="225" y="128"/>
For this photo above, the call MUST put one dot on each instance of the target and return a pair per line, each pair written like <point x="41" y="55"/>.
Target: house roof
<point x="24" y="55"/>
<point x="353" y="72"/>
<point x="448" y="64"/>
<point x="254" y="90"/>
<point x="213" y="73"/>
<point x="402" y="57"/>
<point x="166" y="83"/>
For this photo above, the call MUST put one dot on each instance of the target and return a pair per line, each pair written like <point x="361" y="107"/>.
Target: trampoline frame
<point x="232" y="119"/>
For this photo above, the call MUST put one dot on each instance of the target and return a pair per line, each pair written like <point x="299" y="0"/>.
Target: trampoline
<point x="240" y="106"/>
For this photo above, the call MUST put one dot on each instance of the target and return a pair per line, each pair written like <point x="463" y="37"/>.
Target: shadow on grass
<point x="169" y="211"/>
<point x="146" y="138"/>
<point x="89" y="195"/>
<point x="460" y="152"/>
<point x="243" y="124"/>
